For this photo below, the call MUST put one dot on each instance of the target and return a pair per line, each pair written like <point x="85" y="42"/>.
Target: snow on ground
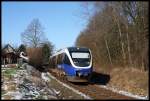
<point x="23" y="85"/>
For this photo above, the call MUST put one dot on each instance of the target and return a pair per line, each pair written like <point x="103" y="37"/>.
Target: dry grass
<point x="11" y="87"/>
<point x="128" y="79"/>
<point x="131" y="80"/>
<point x="7" y="97"/>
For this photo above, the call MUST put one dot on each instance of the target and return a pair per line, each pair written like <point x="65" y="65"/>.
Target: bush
<point x="35" y="57"/>
<point x="39" y="57"/>
<point x="45" y="54"/>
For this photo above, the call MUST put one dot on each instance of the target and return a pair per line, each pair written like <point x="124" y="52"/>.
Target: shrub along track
<point x="90" y="89"/>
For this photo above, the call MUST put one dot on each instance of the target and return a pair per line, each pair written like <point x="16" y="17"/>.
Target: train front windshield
<point x="81" y="59"/>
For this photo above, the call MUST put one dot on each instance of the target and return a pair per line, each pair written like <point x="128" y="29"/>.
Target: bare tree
<point x="33" y="36"/>
<point x="117" y="32"/>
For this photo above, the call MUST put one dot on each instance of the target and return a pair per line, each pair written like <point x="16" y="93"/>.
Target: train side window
<point x="66" y="60"/>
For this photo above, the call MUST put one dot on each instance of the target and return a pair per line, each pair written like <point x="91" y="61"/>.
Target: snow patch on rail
<point x="124" y="92"/>
<point x="76" y="91"/>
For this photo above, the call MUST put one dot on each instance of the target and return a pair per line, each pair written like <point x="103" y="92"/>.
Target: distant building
<point x="9" y="55"/>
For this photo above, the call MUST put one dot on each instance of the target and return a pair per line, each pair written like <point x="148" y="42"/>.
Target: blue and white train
<point x="75" y="62"/>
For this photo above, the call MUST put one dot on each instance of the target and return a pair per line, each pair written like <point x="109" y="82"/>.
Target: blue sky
<point x="61" y="20"/>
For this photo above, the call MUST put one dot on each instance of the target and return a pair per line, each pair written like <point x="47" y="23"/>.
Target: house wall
<point x="9" y="59"/>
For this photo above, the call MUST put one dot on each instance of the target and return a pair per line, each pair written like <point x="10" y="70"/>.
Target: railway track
<point x="91" y="89"/>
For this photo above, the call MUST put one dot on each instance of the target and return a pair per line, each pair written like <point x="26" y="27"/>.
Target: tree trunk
<point x="129" y="53"/>
<point x="120" y="34"/>
<point x="108" y="51"/>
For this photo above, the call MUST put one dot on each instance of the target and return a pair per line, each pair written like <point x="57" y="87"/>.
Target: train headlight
<point x="78" y="73"/>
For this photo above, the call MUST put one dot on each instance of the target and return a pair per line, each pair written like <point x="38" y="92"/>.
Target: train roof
<point x="78" y="49"/>
<point x="84" y="49"/>
<point x="74" y="49"/>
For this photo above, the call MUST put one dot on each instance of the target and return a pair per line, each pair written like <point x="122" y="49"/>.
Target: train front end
<point x="81" y="61"/>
